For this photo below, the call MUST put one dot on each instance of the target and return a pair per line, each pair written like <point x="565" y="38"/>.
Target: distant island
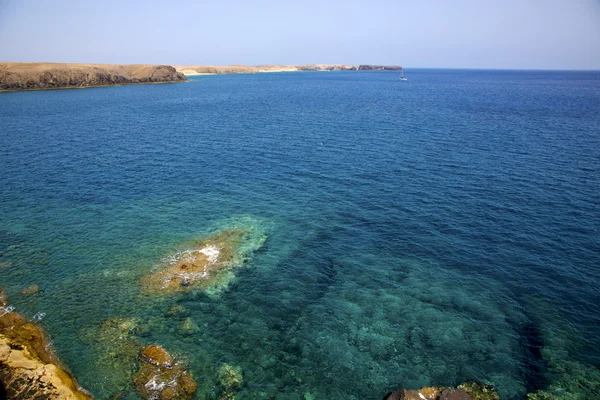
<point x="16" y="76"/>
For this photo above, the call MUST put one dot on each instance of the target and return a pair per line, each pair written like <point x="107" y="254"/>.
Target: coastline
<point x="26" y="76"/>
<point x="15" y="76"/>
<point x="193" y="70"/>
<point x="86" y="87"/>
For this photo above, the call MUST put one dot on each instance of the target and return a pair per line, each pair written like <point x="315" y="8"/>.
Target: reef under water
<point x="208" y="265"/>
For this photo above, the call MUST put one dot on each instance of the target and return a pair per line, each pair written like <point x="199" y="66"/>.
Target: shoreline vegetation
<point x="21" y="76"/>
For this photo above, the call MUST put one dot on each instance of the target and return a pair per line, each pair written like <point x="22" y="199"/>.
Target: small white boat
<point x="402" y="78"/>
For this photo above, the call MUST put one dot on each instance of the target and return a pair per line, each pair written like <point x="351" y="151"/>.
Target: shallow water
<point x="419" y="233"/>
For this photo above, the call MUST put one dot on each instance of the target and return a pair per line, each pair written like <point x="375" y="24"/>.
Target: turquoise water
<point x="418" y="233"/>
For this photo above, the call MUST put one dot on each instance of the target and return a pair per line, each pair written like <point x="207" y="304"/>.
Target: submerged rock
<point x="114" y="347"/>
<point x="33" y="289"/>
<point x="177" y="311"/>
<point x="28" y="367"/>
<point x="161" y="378"/>
<point x="189" y="327"/>
<point x="231" y="379"/>
<point x="427" y="393"/>
<point x="479" y="391"/>
<point x="208" y="265"/>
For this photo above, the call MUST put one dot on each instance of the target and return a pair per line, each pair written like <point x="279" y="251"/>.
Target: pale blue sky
<point x="546" y="34"/>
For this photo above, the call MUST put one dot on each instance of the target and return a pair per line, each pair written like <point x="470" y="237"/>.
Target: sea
<point x="418" y="233"/>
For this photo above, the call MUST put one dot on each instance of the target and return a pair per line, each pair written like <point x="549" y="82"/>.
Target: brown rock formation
<point x="28" y="368"/>
<point x="207" y="265"/>
<point x="28" y="76"/>
<point x="455" y="394"/>
<point x="470" y="390"/>
<point x="160" y="378"/>
<point x="426" y="393"/>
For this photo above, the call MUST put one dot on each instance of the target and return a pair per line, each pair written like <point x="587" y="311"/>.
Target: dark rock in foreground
<point x="467" y="391"/>
<point x="28" y="368"/>
<point x="32" y="76"/>
<point x="160" y="377"/>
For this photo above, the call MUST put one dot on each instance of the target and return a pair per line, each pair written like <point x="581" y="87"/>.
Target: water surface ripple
<point x="419" y="233"/>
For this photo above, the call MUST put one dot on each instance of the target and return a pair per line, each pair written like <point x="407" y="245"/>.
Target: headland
<point x="36" y="76"/>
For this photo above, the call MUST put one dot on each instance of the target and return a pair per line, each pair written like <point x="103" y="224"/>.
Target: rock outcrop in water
<point x="115" y="347"/>
<point x="33" y="76"/>
<point x="230" y="379"/>
<point x="28" y="367"/>
<point x="207" y="266"/>
<point x="467" y="391"/>
<point x="160" y="377"/>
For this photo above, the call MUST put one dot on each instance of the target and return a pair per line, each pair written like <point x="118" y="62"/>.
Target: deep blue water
<point x="419" y="233"/>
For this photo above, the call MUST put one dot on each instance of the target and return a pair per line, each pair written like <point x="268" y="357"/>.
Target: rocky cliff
<point x="379" y="68"/>
<point x="28" y="76"/>
<point x="28" y="367"/>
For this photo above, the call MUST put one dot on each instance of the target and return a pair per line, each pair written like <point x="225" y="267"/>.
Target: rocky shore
<point x="35" y="76"/>
<point x="237" y="69"/>
<point x="28" y="367"/>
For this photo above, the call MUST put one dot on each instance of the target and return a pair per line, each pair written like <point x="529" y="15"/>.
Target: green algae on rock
<point x="189" y="327"/>
<point x="231" y="379"/>
<point x="160" y="377"/>
<point x="208" y="265"/>
<point x="479" y="390"/>
<point x="115" y="349"/>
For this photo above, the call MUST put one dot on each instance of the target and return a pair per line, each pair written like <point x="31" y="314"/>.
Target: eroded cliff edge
<point x="35" y="76"/>
<point x="28" y="367"/>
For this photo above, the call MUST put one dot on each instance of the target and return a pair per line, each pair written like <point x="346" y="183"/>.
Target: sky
<point x="513" y="34"/>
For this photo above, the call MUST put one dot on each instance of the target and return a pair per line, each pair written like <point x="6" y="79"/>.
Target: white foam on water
<point x="39" y="316"/>
<point x="211" y="252"/>
<point x="6" y="310"/>
<point x="155" y="385"/>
